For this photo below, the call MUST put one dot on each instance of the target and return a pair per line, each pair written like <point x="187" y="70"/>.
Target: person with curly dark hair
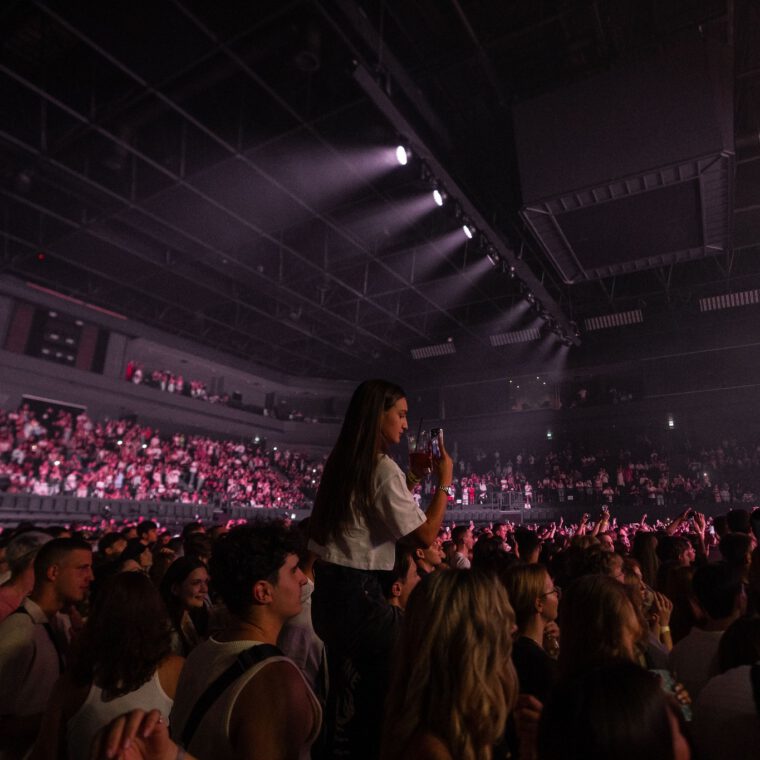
<point x="267" y="709"/>
<point x="122" y="661"/>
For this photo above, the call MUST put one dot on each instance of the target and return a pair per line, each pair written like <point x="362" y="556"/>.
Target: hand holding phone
<point x="441" y="461"/>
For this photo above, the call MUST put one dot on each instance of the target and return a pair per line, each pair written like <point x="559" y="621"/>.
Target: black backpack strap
<point x="51" y="635"/>
<point x="244" y="662"/>
<point x="754" y="675"/>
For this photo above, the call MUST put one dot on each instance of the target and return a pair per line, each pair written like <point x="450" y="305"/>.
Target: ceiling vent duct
<point x="621" y="319"/>
<point x="516" y="336"/>
<point x="649" y="140"/>
<point x="730" y="300"/>
<point x="428" y="352"/>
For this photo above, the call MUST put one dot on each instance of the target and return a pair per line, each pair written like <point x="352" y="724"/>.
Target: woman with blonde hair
<point x="453" y="684"/>
<point x="535" y="600"/>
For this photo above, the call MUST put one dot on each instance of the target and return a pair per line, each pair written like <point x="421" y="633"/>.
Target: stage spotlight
<point x="468" y="231"/>
<point x="439" y="197"/>
<point x="493" y="255"/>
<point x="402" y="155"/>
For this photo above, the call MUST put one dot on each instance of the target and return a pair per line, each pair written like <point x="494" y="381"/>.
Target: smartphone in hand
<point x="436" y="439"/>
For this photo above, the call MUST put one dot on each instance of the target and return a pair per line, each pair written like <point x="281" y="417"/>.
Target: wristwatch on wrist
<point x="449" y="490"/>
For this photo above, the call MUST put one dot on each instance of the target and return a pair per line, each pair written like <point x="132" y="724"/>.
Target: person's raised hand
<point x="444" y="466"/>
<point x="700" y="524"/>
<point x="662" y="607"/>
<point x="136" y="735"/>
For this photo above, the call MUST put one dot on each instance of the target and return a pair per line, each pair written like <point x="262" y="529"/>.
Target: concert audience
<point x="169" y="382"/>
<point x="459" y="664"/>
<point x="727" y="473"/>
<point x="601" y="620"/>
<point x="119" y="459"/>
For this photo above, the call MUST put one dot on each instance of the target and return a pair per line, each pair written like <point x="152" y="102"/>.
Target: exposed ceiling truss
<point x="223" y="173"/>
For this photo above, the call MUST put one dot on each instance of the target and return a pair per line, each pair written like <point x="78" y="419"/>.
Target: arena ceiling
<point x="226" y="172"/>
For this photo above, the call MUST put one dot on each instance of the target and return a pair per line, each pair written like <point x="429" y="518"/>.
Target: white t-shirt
<point x="461" y="562"/>
<point x="300" y="643"/>
<point x="370" y="542"/>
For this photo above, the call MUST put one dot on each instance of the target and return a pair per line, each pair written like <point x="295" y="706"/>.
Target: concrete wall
<point x="114" y="397"/>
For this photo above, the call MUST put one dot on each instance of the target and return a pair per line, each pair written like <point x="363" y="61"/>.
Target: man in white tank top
<point x="268" y="711"/>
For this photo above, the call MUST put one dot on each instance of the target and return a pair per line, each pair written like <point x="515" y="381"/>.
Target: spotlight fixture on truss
<point x="367" y="79"/>
<point x="403" y="155"/>
<point x="439" y="194"/>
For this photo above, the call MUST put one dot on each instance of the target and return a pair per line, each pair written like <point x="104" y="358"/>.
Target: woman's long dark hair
<point x="174" y="575"/>
<point x="346" y="487"/>
<point x="126" y="636"/>
<point x="644" y="550"/>
<point x="591" y="615"/>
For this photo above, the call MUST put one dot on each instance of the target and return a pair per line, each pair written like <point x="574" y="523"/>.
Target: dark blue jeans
<point x="359" y="629"/>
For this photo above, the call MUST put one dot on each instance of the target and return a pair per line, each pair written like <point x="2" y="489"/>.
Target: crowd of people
<point x="61" y="453"/>
<point x="374" y="630"/>
<point x="493" y="632"/>
<point x="57" y="452"/>
<point x="642" y="474"/>
<point x="170" y="382"/>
